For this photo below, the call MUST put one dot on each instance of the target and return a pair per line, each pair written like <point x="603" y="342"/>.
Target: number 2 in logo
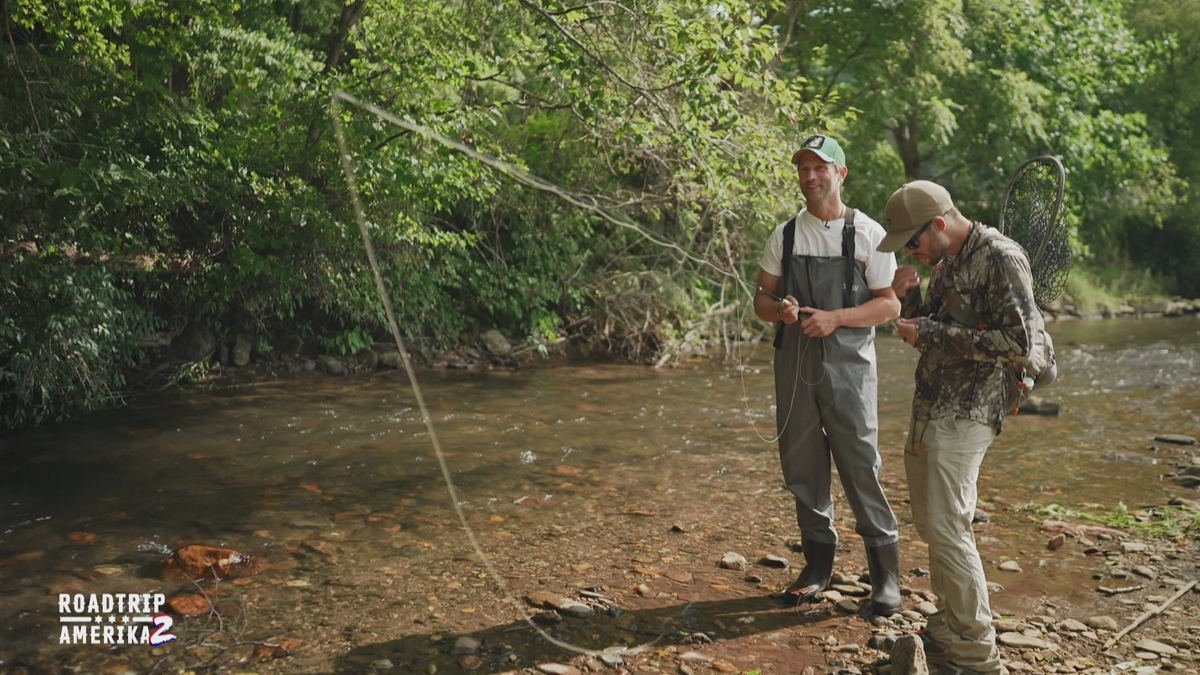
<point x="161" y="634"/>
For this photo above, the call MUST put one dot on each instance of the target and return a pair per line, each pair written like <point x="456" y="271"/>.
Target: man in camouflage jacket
<point x="979" y="317"/>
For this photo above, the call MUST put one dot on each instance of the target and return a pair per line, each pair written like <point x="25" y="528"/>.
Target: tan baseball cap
<point x="909" y="209"/>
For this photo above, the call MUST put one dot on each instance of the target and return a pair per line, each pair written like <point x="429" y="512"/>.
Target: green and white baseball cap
<point x="824" y="147"/>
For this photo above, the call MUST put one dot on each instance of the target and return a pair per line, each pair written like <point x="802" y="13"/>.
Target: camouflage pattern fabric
<point x="963" y="368"/>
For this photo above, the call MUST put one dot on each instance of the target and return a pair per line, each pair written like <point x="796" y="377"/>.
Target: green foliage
<point x="1164" y="521"/>
<point x="963" y="93"/>
<point x="185" y="148"/>
<point x="66" y="333"/>
<point x="348" y="342"/>
<point x="1104" y="289"/>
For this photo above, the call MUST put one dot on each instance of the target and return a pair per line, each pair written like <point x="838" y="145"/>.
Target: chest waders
<point x="826" y="393"/>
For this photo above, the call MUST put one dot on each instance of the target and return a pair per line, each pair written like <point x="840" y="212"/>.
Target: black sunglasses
<point x="915" y="243"/>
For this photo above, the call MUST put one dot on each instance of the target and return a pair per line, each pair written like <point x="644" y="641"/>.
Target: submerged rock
<point x="208" y="562"/>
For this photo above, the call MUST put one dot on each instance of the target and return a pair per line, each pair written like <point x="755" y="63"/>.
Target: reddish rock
<point x="198" y="561"/>
<point x="192" y="604"/>
<point x="82" y="538"/>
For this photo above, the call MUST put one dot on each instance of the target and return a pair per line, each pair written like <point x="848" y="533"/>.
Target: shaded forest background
<point x="173" y="162"/>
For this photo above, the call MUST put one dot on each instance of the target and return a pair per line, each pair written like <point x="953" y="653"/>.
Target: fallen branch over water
<point x="1147" y="615"/>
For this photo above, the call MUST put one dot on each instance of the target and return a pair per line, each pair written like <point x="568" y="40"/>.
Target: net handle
<point x="1052" y="222"/>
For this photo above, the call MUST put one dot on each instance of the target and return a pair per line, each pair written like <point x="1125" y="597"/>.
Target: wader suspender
<point x="789" y="241"/>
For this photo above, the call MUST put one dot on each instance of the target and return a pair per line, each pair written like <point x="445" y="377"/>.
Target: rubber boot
<point x="818" y="568"/>
<point x="884" y="564"/>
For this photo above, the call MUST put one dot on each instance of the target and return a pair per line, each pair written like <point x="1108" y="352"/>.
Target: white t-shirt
<point x="824" y="238"/>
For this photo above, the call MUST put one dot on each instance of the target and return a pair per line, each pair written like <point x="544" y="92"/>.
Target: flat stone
<point x="1021" y="641"/>
<point x="1144" y="571"/>
<point x="926" y="608"/>
<point x="848" y="606"/>
<point x="1071" y="626"/>
<point x="775" y="561"/>
<point x="1178" y="439"/>
<point x="1133" y="546"/>
<point x="558" y="669"/>
<point x="576" y="609"/>
<point x="848" y="589"/>
<point x="1155" y="647"/>
<point x="1010" y="566"/>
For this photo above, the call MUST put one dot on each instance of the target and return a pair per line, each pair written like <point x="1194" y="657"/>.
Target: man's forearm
<point x="768" y="308"/>
<point x="871" y="313"/>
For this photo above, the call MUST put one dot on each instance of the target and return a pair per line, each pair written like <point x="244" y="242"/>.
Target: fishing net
<point x="1032" y="215"/>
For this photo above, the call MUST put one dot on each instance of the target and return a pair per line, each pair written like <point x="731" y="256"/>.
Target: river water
<point x="333" y="481"/>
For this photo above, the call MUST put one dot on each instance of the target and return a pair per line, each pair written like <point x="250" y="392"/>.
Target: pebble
<point x="382" y="664"/>
<point x="1071" y="626"/>
<point x="733" y="561"/>
<point x="849" y="606"/>
<point x="926" y="608"/>
<point x="775" y="561"/>
<point x="576" y="609"/>
<point x="465" y="645"/>
<point x="1133" y="546"/>
<point x="1010" y="566"/>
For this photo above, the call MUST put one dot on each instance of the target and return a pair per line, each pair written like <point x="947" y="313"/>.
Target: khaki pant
<point x="942" y="459"/>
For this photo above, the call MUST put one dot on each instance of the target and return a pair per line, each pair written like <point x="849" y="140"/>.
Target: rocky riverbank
<point x="199" y="353"/>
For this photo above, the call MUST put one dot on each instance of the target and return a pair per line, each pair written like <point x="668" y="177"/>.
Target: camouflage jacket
<point x="963" y="368"/>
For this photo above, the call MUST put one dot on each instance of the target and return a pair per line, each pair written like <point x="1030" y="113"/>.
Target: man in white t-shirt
<point x="828" y="293"/>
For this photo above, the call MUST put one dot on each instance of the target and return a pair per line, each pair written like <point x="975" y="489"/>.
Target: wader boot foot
<point x="818" y="569"/>
<point x="884" y="564"/>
